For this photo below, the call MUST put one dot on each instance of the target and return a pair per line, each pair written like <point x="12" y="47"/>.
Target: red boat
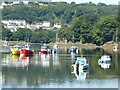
<point x="26" y="50"/>
<point x="45" y="50"/>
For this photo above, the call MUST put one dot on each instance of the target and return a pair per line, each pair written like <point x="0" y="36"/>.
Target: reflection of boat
<point x="55" y="59"/>
<point x="74" y="50"/>
<point x="80" y="75"/>
<point x="15" y="57"/>
<point x="5" y="43"/>
<point x="104" y="61"/>
<point x="81" y="63"/>
<point x="16" y="49"/>
<point x="17" y="61"/>
<point x="80" y="68"/>
<point x="45" y="60"/>
<point x="26" y="50"/>
<point x="45" y="50"/>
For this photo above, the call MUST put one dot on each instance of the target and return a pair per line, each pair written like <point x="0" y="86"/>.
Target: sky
<point x="108" y="2"/>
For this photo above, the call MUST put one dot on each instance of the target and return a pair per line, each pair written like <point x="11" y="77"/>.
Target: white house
<point x="46" y="24"/>
<point x="3" y="4"/>
<point x="57" y="25"/>
<point x="16" y="2"/>
<point x="17" y="22"/>
<point x="25" y="2"/>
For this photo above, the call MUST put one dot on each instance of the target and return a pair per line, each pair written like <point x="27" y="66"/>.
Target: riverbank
<point x="106" y="46"/>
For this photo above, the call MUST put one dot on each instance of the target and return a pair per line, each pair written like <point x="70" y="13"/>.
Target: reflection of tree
<point x="36" y="75"/>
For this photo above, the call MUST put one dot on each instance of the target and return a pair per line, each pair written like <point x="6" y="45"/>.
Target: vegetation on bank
<point x="84" y="23"/>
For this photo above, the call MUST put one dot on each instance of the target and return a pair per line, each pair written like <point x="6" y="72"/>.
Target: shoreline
<point x="87" y="45"/>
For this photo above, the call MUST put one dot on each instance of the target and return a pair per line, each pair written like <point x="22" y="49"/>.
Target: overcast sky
<point x="94" y="1"/>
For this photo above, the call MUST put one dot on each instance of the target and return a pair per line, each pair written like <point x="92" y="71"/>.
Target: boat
<point x="54" y="49"/>
<point x="104" y="61"/>
<point x="73" y="50"/>
<point x="115" y="48"/>
<point x="81" y="64"/>
<point x="116" y="45"/>
<point x="5" y="43"/>
<point x="26" y="50"/>
<point x="16" y="49"/>
<point x="45" y="50"/>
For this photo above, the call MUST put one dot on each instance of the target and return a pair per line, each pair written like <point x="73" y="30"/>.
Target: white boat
<point x="115" y="48"/>
<point x="104" y="61"/>
<point x="73" y="50"/>
<point x="81" y="63"/>
<point x="5" y="43"/>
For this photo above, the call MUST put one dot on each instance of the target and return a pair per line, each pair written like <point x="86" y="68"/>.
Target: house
<point x="16" y="2"/>
<point x="13" y="25"/>
<point x="26" y="2"/>
<point x="46" y="25"/>
<point x="3" y="4"/>
<point x="56" y="25"/>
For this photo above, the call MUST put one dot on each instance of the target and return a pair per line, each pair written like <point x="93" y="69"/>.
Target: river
<point x="55" y="71"/>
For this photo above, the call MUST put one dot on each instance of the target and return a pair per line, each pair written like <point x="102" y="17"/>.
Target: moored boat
<point x="74" y="50"/>
<point x="45" y="50"/>
<point x="54" y="49"/>
<point x="16" y="50"/>
<point x="26" y="50"/>
<point x="115" y="48"/>
<point x="5" y="43"/>
<point x="81" y="64"/>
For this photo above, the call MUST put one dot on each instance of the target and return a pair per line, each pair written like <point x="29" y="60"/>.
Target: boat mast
<point x="116" y="36"/>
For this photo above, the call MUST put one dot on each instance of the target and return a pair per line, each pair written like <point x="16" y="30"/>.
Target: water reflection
<point x="55" y="59"/>
<point x="80" y="75"/>
<point x="104" y="61"/>
<point x="16" y="61"/>
<point x="45" y="60"/>
<point x="54" y="70"/>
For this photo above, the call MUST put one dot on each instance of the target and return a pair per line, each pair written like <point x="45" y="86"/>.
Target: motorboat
<point x="45" y="50"/>
<point x="115" y="48"/>
<point x="54" y="49"/>
<point x="104" y="61"/>
<point x="5" y="43"/>
<point x="73" y="50"/>
<point x="81" y="64"/>
<point x="26" y="50"/>
<point x="16" y="49"/>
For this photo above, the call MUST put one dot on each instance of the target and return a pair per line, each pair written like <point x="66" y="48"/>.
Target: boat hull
<point x="15" y="52"/>
<point x="43" y="52"/>
<point x="27" y="52"/>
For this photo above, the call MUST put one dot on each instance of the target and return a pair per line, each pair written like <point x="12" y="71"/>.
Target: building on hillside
<point x="46" y="25"/>
<point x="26" y="2"/>
<point x="4" y="4"/>
<point x="16" y="2"/>
<point x="57" y="25"/>
<point x="13" y="25"/>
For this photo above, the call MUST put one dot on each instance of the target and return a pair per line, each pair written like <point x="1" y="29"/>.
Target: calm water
<point x="54" y="71"/>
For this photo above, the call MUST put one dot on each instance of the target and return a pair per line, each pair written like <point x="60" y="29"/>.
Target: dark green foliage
<point x="85" y="23"/>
